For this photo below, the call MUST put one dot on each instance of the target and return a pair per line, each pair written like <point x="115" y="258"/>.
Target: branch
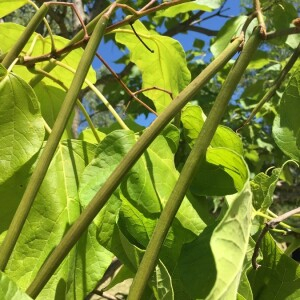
<point x="104" y="193"/>
<point x="206" y="31"/>
<point x="278" y="33"/>
<point x="260" y="18"/>
<point x="270" y="225"/>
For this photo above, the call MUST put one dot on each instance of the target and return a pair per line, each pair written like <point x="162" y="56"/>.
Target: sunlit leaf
<point x="88" y="136"/>
<point x="286" y="125"/>
<point x="165" y="68"/>
<point x="207" y="270"/>
<point x="8" y="6"/>
<point x="10" y="33"/>
<point x="203" y="5"/>
<point x="192" y="118"/>
<point x="21" y="125"/>
<point x="54" y="210"/>
<point x="9" y="289"/>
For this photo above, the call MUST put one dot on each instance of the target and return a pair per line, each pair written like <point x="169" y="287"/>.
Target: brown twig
<point x="154" y="88"/>
<point x="128" y="91"/>
<point x="270" y="225"/>
<point x="278" y="33"/>
<point x="29" y="61"/>
<point x="260" y="18"/>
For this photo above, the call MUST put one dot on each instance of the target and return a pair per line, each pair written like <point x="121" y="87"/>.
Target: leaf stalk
<point x="43" y="163"/>
<point x="193" y="162"/>
<point x="104" y="193"/>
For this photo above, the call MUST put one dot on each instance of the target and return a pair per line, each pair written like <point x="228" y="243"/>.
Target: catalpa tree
<point x="186" y="204"/>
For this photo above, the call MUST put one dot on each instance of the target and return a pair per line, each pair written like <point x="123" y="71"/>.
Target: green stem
<point x="30" y="28"/>
<point x="43" y="163"/>
<point x="195" y="158"/>
<point x="79" y="36"/>
<point x="101" y="197"/>
<point x="97" y="92"/>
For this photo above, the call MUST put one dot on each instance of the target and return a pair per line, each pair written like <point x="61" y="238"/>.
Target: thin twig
<point x="260" y="18"/>
<point x="128" y="91"/>
<point x="278" y="33"/>
<point x="270" y="225"/>
<point x="154" y="88"/>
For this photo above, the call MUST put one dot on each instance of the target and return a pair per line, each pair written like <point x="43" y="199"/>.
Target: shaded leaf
<point x="263" y="187"/>
<point x="259" y="60"/>
<point x="286" y="126"/>
<point x="209" y="272"/>
<point x="161" y="283"/>
<point x="224" y="172"/>
<point x="165" y="68"/>
<point x="279" y="275"/>
<point x="51" y="99"/>
<point x="231" y="29"/>
<point x="21" y="125"/>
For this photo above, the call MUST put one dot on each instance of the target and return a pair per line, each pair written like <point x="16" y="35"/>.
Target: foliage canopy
<point x="182" y="204"/>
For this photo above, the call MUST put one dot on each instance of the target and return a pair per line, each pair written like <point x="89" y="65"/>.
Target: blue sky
<point x="110" y="52"/>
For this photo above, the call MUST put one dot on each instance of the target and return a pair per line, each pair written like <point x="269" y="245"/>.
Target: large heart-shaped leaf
<point x="165" y="68"/>
<point x="21" y="124"/>
<point x="54" y="210"/>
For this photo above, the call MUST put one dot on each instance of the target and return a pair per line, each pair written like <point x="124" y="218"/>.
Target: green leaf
<point x="166" y="68"/>
<point x="197" y="266"/>
<point x="220" y="270"/>
<point x="263" y="187"/>
<point x="204" y="5"/>
<point x="259" y="60"/>
<point x="10" y="33"/>
<point x="192" y="118"/>
<point x="51" y="99"/>
<point x="88" y="136"/>
<point x="8" y="6"/>
<point x="244" y="291"/>
<point x="231" y="29"/>
<point x="13" y="189"/>
<point x="55" y="208"/>
<point x="21" y="125"/>
<point x="286" y="125"/>
<point x="147" y="185"/>
<point x="139" y="228"/>
<point x="232" y="234"/>
<point x="161" y="283"/>
<point x="279" y="275"/>
<point x="224" y="172"/>
<point x="9" y="289"/>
